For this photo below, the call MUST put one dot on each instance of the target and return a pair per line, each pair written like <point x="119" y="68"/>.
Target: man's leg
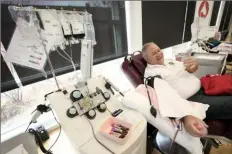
<point x="220" y="106"/>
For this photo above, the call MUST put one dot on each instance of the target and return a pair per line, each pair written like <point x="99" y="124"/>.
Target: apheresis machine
<point x="89" y="112"/>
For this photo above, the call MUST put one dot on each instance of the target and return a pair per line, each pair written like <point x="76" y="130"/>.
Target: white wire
<point x="64" y="56"/>
<point x="70" y="60"/>
<point x="67" y="55"/>
<point x="67" y="59"/>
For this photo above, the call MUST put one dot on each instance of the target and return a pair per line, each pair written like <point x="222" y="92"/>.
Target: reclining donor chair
<point x="134" y="67"/>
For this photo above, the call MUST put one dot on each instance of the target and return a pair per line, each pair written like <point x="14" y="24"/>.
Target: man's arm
<point x="191" y="64"/>
<point x="175" y="106"/>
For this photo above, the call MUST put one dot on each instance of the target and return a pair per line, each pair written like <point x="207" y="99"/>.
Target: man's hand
<point x="195" y="126"/>
<point x="191" y="64"/>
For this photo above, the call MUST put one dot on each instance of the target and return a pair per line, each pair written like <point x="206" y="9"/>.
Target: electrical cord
<point x="92" y="125"/>
<point x="97" y="139"/>
<point x="38" y="141"/>
<point x="108" y="110"/>
<point x="49" y="150"/>
<point x="28" y="126"/>
<point x="46" y="95"/>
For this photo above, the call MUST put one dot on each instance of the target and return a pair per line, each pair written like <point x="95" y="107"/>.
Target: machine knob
<point x="106" y="95"/>
<point x="101" y="107"/>
<point x="72" y="112"/>
<point x="76" y="95"/>
<point x="91" y="114"/>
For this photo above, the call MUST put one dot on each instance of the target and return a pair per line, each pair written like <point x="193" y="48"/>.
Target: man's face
<point x="155" y="55"/>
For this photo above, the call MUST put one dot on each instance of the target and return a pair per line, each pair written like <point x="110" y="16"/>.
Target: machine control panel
<point x="84" y="102"/>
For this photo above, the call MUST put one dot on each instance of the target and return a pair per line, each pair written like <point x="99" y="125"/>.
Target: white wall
<point x="134" y="25"/>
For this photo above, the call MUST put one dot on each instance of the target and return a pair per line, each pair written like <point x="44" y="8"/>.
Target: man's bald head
<point x="152" y="54"/>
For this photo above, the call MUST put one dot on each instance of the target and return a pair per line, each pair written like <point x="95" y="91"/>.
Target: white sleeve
<point x="171" y="104"/>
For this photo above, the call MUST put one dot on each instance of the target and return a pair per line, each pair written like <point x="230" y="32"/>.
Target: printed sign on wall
<point x="203" y="11"/>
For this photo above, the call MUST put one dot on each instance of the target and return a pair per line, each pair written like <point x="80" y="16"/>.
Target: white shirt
<point x="185" y="84"/>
